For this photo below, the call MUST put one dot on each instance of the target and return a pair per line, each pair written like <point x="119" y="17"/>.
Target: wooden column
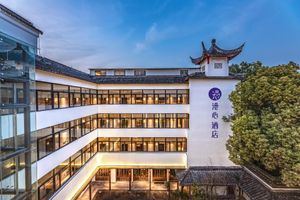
<point x="90" y="191"/>
<point x="129" y="179"/>
<point x="211" y="192"/>
<point x="109" y="181"/>
<point x="168" y="175"/>
<point x="149" y="178"/>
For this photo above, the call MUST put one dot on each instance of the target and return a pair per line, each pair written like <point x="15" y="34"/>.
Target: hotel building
<point x="66" y="134"/>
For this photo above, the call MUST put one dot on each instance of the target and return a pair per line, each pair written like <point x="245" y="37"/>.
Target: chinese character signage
<point x="214" y="94"/>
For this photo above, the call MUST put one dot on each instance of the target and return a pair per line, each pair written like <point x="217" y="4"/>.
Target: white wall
<point x="136" y="108"/>
<point x="53" y="117"/>
<point x="61" y="79"/>
<point x="142" y="86"/>
<point x="143" y="132"/>
<point x="77" y="181"/>
<point x="142" y="159"/>
<point x="211" y="71"/>
<point x="49" y="162"/>
<point x="203" y="150"/>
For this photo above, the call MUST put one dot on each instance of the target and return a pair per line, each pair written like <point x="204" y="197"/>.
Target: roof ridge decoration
<point x="216" y="51"/>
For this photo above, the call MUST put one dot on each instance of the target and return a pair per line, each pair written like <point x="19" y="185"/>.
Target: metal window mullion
<point x="52" y="96"/>
<point x="27" y="136"/>
<point x="69" y="97"/>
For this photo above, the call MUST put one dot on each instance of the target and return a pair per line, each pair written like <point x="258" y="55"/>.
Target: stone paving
<point x="137" y="187"/>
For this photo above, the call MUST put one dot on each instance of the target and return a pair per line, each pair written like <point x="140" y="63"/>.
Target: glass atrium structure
<point x="17" y="118"/>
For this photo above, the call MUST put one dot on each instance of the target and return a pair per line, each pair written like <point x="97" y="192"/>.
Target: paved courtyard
<point x="138" y="188"/>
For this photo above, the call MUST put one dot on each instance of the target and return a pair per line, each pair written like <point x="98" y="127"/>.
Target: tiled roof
<point x="48" y="65"/>
<point x="18" y="18"/>
<point x="253" y="188"/>
<point x="140" y="79"/>
<point x="256" y="190"/>
<point x="224" y="176"/>
<point x="210" y="175"/>
<point x="141" y="68"/>
<point x="215" y="51"/>
<point x="201" y="75"/>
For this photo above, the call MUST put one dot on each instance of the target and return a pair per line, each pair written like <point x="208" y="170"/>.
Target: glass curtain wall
<point x="53" y="138"/>
<point x="55" y="96"/>
<point x="17" y="118"/>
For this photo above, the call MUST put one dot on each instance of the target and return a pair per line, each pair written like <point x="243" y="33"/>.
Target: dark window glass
<point x="184" y="72"/>
<point x="100" y="73"/>
<point x="119" y="72"/>
<point x="140" y="72"/>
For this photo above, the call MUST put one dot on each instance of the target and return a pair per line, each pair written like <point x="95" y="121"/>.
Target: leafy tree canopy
<point x="266" y="120"/>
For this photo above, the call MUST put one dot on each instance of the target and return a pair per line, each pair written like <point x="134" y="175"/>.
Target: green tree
<point x="266" y="122"/>
<point x="244" y="68"/>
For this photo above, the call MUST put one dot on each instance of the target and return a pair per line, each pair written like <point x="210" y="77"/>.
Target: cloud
<point x="153" y="35"/>
<point x="76" y="33"/>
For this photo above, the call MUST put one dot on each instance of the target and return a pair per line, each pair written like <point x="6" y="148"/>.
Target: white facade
<point x="203" y="149"/>
<point x="216" y="67"/>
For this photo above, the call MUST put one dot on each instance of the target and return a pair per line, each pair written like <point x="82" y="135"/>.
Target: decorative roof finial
<point x="213" y="42"/>
<point x="203" y="47"/>
<point x="215" y="51"/>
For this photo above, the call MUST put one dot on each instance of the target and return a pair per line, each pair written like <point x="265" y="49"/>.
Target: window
<point x="119" y="72"/>
<point x="218" y="65"/>
<point x="54" y="96"/>
<point x="52" y="181"/>
<point x="184" y="72"/>
<point x="137" y="144"/>
<point x="61" y="96"/>
<point x="75" y="96"/>
<point x="160" y="144"/>
<point x="44" y="96"/>
<point x="140" y="72"/>
<point x="100" y="73"/>
<point x="86" y="97"/>
<point x="103" y="144"/>
<point x="202" y="69"/>
<point x="125" y="144"/>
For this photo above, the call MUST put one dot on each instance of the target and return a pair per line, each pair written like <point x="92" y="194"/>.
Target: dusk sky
<point x="162" y="33"/>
